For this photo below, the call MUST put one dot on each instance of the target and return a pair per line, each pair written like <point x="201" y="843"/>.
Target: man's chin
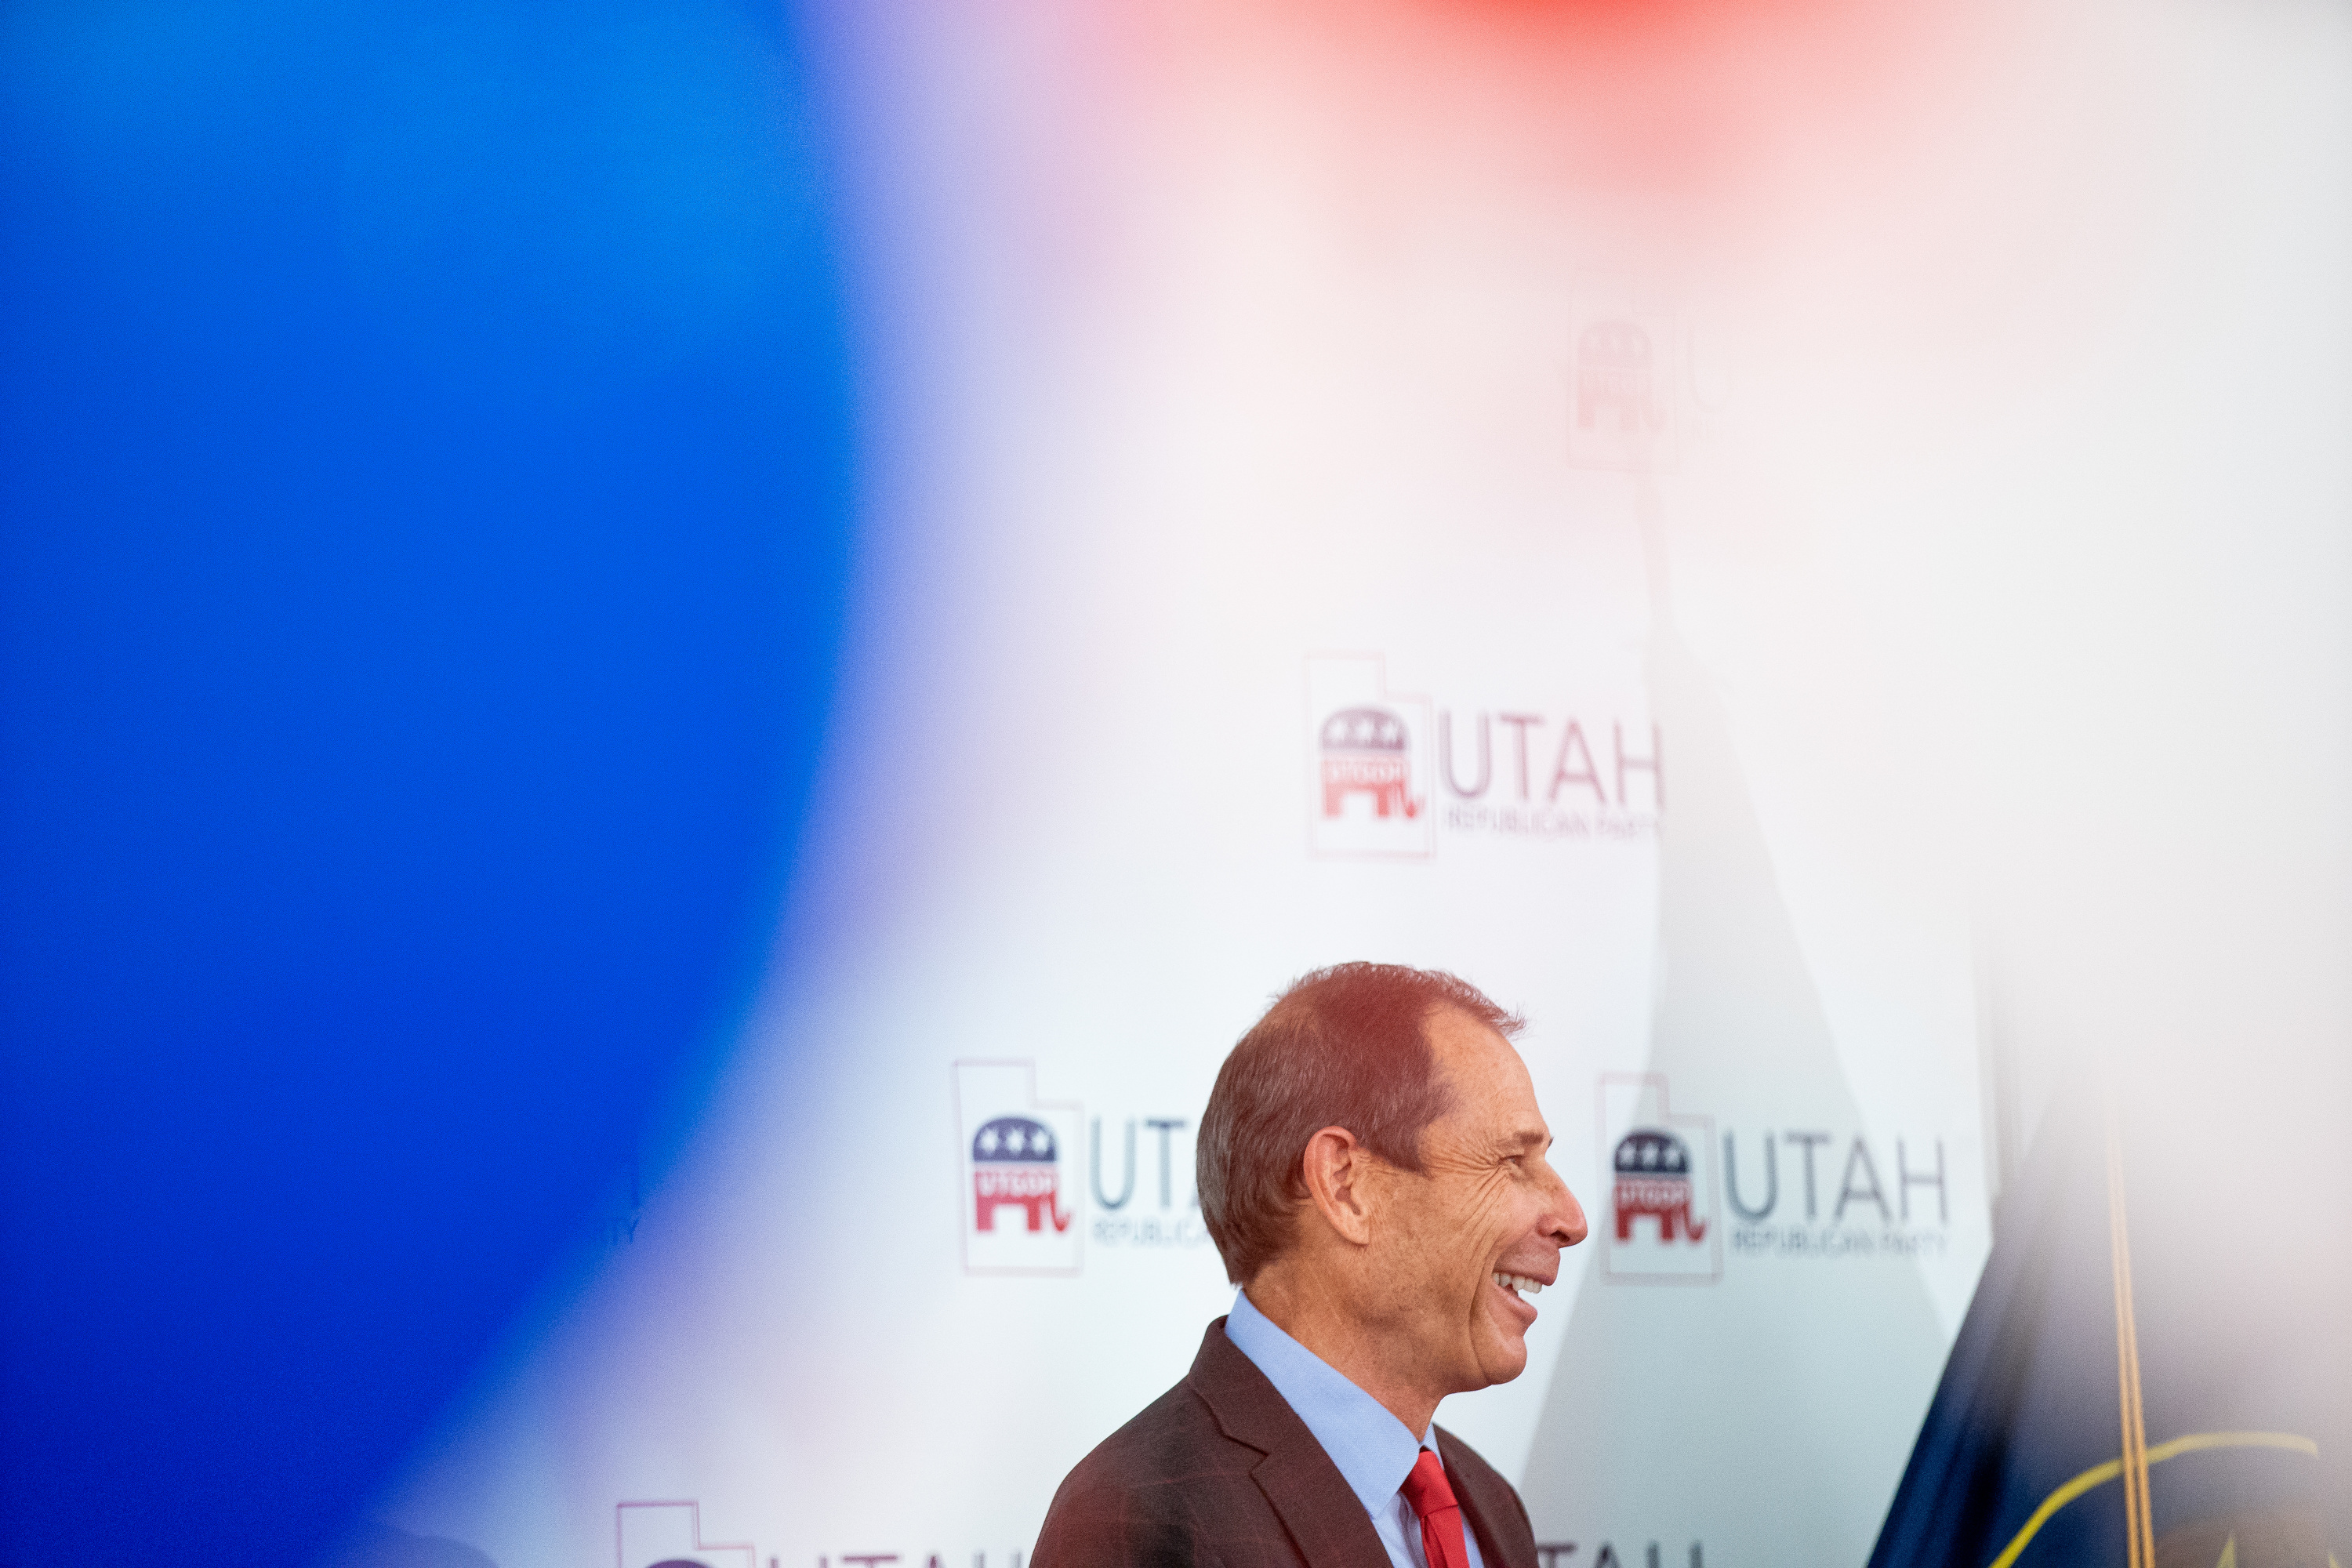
<point x="1504" y="1355"/>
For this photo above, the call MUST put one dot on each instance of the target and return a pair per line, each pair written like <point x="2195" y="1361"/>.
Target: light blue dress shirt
<point x="1374" y="1450"/>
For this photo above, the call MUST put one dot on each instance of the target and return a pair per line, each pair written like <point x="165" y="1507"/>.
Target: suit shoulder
<point x="1172" y="1430"/>
<point x="1135" y="1500"/>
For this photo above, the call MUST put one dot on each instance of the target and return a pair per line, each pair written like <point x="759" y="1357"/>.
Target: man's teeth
<point x="1518" y="1282"/>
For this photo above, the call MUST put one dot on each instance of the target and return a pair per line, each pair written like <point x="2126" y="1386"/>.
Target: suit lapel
<point x="1493" y="1519"/>
<point x="1322" y="1513"/>
<point x="1302" y="1485"/>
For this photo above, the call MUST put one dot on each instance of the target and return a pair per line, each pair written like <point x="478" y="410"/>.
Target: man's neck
<point x="1319" y="1320"/>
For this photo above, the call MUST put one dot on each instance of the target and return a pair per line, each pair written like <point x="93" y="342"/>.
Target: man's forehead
<point x="1447" y="1021"/>
<point x="1486" y="1078"/>
<point x="1471" y="1052"/>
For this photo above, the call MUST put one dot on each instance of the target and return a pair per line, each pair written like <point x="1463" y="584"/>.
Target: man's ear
<point x="1338" y="1171"/>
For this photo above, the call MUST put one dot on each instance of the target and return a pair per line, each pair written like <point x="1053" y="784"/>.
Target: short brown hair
<point x="1344" y="1046"/>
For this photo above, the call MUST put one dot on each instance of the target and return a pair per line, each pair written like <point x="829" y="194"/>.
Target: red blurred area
<point x="1681" y="98"/>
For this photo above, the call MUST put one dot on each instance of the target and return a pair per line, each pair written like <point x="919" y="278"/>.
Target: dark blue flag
<point x="2152" y="1372"/>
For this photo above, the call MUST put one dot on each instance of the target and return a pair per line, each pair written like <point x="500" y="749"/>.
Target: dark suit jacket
<point x="1220" y="1470"/>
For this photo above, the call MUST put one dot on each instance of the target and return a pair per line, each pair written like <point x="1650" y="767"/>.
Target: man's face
<point x="1485" y="1205"/>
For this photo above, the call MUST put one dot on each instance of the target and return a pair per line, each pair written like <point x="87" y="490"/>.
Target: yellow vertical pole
<point x="2139" y="1532"/>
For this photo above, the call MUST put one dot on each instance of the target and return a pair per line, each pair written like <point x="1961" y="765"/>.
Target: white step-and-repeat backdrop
<point x="942" y="1235"/>
<point x="1311" y="518"/>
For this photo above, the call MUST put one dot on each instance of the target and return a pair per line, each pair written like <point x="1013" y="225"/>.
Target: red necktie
<point x="1441" y="1515"/>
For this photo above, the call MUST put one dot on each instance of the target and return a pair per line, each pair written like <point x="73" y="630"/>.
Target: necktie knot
<point x="1427" y="1488"/>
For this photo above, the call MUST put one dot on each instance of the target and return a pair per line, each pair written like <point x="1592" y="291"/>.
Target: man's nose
<point x="1563" y="1222"/>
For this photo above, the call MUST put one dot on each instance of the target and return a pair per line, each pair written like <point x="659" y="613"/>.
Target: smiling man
<point x="1372" y="1169"/>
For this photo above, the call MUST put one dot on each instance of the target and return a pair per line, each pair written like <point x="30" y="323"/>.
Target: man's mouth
<point x="1517" y="1284"/>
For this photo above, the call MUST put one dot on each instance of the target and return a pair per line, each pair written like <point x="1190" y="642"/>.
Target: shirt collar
<point x="1374" y="1450"/>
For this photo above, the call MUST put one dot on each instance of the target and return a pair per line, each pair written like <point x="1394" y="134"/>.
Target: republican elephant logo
<point x="1365" y="753"/>
<point x="1014" y="1160"/>
<point x="1654" y="1178"/>
<point x="1614" y="376"/>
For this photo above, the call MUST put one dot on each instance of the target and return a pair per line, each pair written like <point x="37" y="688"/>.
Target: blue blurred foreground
<point x="424" y="540"/>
